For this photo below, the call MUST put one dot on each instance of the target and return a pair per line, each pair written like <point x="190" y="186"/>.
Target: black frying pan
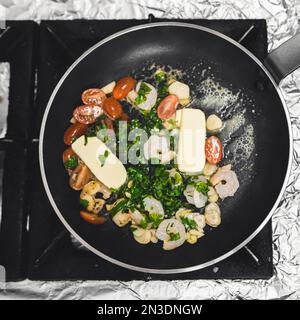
<point x="183" y="46"/>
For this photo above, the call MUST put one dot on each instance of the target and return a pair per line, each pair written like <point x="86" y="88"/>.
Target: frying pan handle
<point x="284" y="59"/>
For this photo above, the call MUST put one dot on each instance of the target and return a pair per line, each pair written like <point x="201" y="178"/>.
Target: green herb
<point x="167" y="190"/>
<point x="151" y="120"/>
<point x="143" y="91"/>
<point x="135" y="123"/>
<point x="71" y="163"/>
<point x="85" y="139"/>
<point x="84" y="203"/>
<point x="74" y="139"/>
<point x="174" y="236"/>
<point x="177" y="178"/>
<point x="172" y="121"/>
<point x="160" y="76"/>
<point x="162" y="92"/>
<point x="189" y="223"/>
<point x="118" y="207"/>
<point x="97" y="126"/>
<point x="102" y="157"/>
<point x="133" y="228"/>
<point x="201" y="187"/>
<point x="155" y="219"/>
<point x="139" y="99"/>
<point x="144" y="223"/>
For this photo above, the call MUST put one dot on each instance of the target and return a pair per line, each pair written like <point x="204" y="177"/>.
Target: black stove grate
<point x="51" y="252"/>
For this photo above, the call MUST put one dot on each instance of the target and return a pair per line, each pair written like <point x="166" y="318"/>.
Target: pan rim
<point x="151" y="270"/>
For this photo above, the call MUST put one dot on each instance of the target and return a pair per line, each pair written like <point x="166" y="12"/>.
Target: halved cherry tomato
<point x="123" y="87"/>
<point x="68" y="153"/>
<point x="213" y="150"/>
<point x="93" y="96"/>
<point x="87" y="114"/>
<point x="167" y="107"/>
<point x="92" y="218"/>
<point x="74" y="131"/>
<point x="112" y="108"/>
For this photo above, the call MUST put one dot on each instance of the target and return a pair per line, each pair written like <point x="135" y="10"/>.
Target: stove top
<point x="39" y="246"/>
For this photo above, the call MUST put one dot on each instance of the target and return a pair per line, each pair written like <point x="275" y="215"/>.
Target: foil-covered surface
<point x="282" y="19"/>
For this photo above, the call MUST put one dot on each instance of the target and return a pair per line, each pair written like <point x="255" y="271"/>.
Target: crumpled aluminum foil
<point x="282" y="19"/>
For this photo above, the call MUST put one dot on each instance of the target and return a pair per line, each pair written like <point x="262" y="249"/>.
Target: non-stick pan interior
<point x="180" y="47"/>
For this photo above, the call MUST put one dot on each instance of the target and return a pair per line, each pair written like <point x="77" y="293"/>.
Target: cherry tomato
<point x="213" y="150"/>
<point x="167" y="107"/>
<point x="93" y="96"/>
<point x="92" y="218"/>
<point x="74" y="131"/>
<point x="123" y="87"/>
<point x="68" y="153"/>
<point x="87" y="114"/>
<point x="112" y="108"/>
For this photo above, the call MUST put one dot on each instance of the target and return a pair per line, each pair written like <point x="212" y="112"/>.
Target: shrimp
<point x="212" y="215"/>
<point x="153" y="206"/>
<point x="166" y="157"/>
<point x="151" y="96"/>
<point x="136" y="216"/>
<point x="200" y="220"/>
<point x="168" y="227"/>
<point x="195" y="197"/>
<point x="150" y="100"/>
<point x="209" y="169"/>
<point x="156" y="147"/>
<point x="225" y="182"/>
<point x="142" y="236"/>
<point x="212" y="195"/>
<point x="121" y="219"/>
<point x="196" y="216"/>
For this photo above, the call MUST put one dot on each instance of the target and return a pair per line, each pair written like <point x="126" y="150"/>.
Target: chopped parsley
<point x="118" y="207"/>
<point x="162" y="92"/>
<point x="144" y="223"/>
<point x="84" y="203"/>
<point x="143" y="91"/>
<point x="189" y="223"/>
<point x="155" y="219"/>
<point x="85" y="139"/>
<point x="160" y="76"/>
<point x="174" y="236"/>
<point x="167" y="189"/>
<point x="133" y="228"/>
<point x="102" y="157"/>
<point x="201" y="187"/>
<point x="95" y="127"/>
<point x="71" y="163"/>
